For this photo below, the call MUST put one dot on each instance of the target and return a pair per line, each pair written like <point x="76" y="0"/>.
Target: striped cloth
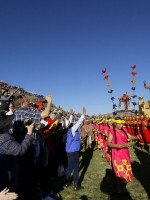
<point x="8" y="145"/>
<point x="25" y="113"/>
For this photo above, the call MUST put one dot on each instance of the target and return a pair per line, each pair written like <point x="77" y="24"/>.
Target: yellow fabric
<point x="101" y="121"/>
<point x="110" y="120"/>
<point x="119" y="121"/>
<point x="53" y="125"/>
<point x="95" y="120"/>
<point x="108" y="84"/>
<point x="133" y="81"/>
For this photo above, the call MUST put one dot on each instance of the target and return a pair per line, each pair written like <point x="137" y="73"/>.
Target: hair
<point x="6" y="90"/>
<point x="5" y="121"/>
<point x="18" y="100"/>
<point x="107" y="123"/>
<point x="118" y="118"/>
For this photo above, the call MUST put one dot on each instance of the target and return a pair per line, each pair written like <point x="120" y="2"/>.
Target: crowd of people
<point x="7" y="87"/>
<point x="36" y="143"/>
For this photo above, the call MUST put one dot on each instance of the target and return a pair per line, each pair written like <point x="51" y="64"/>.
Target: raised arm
<point x="46" y="112"/>
<point x="79" y="122"/>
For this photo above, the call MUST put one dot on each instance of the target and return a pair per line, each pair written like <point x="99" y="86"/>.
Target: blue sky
<point x="60" y="47"/>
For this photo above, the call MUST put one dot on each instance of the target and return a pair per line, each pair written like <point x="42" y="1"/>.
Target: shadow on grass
<point x="84" y="197"/>
<point x="86" y="156"/>
<point x="109" y="185"/>
<point x="142" y="171"/>
<point x="58" y="185"/>
<point x="85" y="161"/>
<point x="59" y="182"/>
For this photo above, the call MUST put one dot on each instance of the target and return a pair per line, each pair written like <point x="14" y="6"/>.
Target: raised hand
<point x="49" y="98"/>
<point x="71" y="111"/>
<point x="30" y="129"/>
<point x="84" y="110"/>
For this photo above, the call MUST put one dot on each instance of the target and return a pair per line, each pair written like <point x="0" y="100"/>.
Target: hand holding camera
<point x="29" y="125"/>
<point x="30" y="129"/>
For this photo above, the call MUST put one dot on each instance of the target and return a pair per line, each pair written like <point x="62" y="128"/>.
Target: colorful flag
<point x="104" y="71"/>
<point x="133" y="67"/>
<point x="106" y="77"/>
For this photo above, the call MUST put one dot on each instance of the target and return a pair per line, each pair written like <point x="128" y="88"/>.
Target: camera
<point x="28" y="123"/>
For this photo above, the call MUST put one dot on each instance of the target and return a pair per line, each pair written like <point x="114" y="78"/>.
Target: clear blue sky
<point x="59" y="47"/>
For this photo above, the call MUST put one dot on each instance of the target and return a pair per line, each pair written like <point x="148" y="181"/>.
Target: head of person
<point x="118" y="123"/>
<point x="110" y="122"/>
<point x="5" y="92"/>
<point x="137" y="117"/>
<point x="21" y="101"/>
<point x="146" y="117"/>
<point x="133" y="118"/>
<point x="142" y="117"/>
<point x="5" y="122"/>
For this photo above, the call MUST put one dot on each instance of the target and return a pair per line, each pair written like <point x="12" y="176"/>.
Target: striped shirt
<point x="8" y="145"/>
<point x="25" y="113"/>
<point x="19" y="117"/>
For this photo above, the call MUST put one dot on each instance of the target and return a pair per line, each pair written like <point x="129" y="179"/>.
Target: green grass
<point x="99" y="180"/>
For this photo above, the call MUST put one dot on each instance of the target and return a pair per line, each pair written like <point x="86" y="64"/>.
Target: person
<point x="139" y="131"/>
<point x="86" y="134"/>
<point x="117" y="141"/>
<point x="6" y="195"/>
<point x="108" y="150"/>
<point x="9" y="151"/>
<point x="146" y="132"/>
<point x="8" y="145"/>
<point x="103" y="130"/>
<point x="6" y="99"/>
<point x="91" y="134"/>
<point x="73" y="145"/>
<point x="95" y="131"/>
<point x="100" y="136"/>
<point x="27" y="161"/>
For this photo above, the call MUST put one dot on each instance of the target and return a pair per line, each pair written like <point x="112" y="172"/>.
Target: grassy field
<point x="99" y="181"/>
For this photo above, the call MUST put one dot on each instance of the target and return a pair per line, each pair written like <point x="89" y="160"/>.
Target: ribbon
<point x="110" y="91"/>
<point x="104" y="71"/>
<point x="106" y="77"/>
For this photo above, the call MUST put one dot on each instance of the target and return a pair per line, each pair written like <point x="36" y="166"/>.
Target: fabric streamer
<point x="110" y="91"/>
<point x="133" y="87"/>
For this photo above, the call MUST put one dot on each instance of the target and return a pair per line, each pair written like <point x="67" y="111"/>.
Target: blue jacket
<point x="73" y="144"/>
